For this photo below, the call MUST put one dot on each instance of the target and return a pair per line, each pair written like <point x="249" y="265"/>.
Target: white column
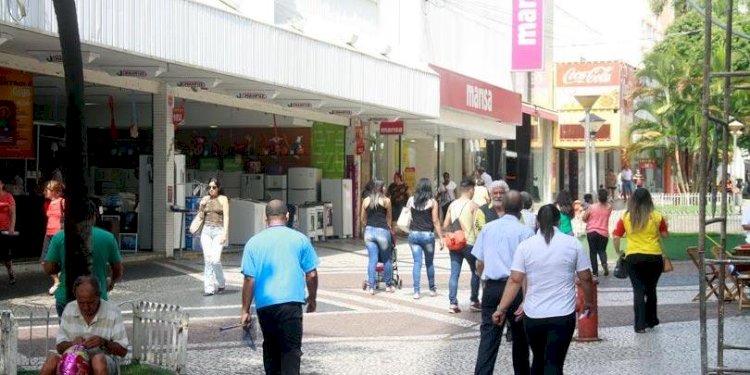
<point x="163" y="170"/>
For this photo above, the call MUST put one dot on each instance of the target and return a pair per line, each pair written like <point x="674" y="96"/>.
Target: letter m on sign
<point x="527" y="35"/>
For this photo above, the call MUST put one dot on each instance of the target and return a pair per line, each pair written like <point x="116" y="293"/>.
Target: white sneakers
<point x="416" y="295"/>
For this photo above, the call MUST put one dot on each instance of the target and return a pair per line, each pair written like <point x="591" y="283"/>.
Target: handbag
<point x="196" y="226"/>
<point x="668" y="267"/>
<point x="455" y="237"/>
<point x="621" y="268"/>
<point x="404" y="220"/>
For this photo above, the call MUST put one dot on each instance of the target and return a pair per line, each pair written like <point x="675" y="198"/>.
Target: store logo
<point x="527" y="23"/>
<point x="478" y="98"/>
<point x="597" y="75"/>
<point x="193" y="84"/>
<point x="132" y="73"/>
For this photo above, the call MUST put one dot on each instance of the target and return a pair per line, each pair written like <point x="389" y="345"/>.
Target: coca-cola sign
<point x="588" y="74"/>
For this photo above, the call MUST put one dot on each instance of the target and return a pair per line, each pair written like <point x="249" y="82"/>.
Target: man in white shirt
<point x="485" y="176"/>
<point x="446" y="192"/>
<point x="627" y="182"/>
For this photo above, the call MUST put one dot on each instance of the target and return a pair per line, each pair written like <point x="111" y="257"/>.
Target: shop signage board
<point x="328" y="144"/>
<point x="527" y="33"/>
<point x="392" y="128"/>
<point x="467" y="94"/>
<point x="16" y="114"/>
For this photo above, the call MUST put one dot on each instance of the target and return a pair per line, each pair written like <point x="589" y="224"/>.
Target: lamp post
<point x="594" y="124"/>
<point x="587" y="102"/>
<point x="738" y="165"/>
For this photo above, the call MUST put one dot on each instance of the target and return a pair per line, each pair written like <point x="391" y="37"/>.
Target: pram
<point x="380" y="268"/>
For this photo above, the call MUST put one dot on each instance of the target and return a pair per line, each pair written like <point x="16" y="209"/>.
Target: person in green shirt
<point x="564" y="203"/>
<point x="105" y="252"/>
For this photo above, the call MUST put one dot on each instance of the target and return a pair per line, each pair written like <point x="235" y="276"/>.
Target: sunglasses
<point x="210" y="187"/>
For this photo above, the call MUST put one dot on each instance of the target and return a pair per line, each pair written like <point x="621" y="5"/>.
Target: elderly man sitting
<point x="94" y="323"/>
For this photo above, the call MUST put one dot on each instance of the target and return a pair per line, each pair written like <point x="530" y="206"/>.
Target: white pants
<point x="213" y="273"/>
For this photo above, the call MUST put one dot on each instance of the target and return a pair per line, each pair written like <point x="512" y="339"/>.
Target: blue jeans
<point x="419" y="242"/>
<point x="378" y="243"/>
<point x="457" y="259"/>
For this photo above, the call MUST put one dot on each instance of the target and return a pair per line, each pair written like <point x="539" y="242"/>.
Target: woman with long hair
<point x="564" y="203"/>
<point x="54" y="209"/>
<point x="644" y="227"/>
<point x="214" y="236"/>
<point x="375" y="216"/>
<point x="548" y="264"/>
<point x="425" y="221"/>
<point x="596" y="218"/>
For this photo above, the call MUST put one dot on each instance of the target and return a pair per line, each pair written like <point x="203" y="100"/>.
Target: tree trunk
<point x="681" y="186"/>
<point x="78" y="259"/>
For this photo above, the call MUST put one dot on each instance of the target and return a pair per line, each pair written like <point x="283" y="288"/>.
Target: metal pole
<point x="399" y="154"/>
<point x="594" y="162"/>
<point x="702" y="189"/>
<point x="588" y="152"/>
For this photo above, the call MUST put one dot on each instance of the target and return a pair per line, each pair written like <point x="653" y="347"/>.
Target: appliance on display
<point x="276" y="187"/>
<point x="308" y="219"/>
<point x="145" y="200"/>
<point x="180" y="192"/>
<point x="303" y="185"/>
<point x="252" y="186"/>
<point x="339" y="193"/>
<point x="231" y="184"/>
<point x="246" y="218"/>
<point x="327" y="220"/>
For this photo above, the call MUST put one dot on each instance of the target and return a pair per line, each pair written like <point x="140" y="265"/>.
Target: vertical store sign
<point x="528" y="35"/>
<point x="16" y="114"/>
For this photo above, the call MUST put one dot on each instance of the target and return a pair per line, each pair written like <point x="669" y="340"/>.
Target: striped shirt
<point x="107" y="324"/>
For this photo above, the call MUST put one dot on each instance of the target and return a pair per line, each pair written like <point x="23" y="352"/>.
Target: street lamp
<point x="594" y="124"/>
<point x="738" y="165"/>
<point x="587" y="102"/>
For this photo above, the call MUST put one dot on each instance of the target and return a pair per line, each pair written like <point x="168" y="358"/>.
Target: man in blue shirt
<point x="277" y="263"/>
<point x="494" y="250"/>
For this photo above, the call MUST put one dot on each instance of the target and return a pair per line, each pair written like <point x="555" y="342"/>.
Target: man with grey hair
<point x="277" y="264"/>
<point x="493" y="210"/>
<point x="528" y="217"/>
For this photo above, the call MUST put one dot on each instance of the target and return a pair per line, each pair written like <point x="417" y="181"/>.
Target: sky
<point x="599" y="30"/>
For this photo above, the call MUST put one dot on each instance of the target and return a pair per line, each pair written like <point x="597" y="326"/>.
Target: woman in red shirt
<point x="596" y="218"/>
<point x="55" y="211"/>
<point x="7" y="229"/>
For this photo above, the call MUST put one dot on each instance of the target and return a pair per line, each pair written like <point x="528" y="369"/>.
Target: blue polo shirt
<point x="278" y="258"/>
<point x="496" y="245"/>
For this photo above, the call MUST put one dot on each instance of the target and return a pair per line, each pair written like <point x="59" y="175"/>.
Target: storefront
<point x="476" y="119"/>
<point x="227" y="109"/>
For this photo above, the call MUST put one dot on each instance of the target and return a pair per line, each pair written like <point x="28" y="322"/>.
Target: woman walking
<point x="214" y="237"/>
<point x="7" y="229"/>
<point x="548" y="264"/>
<point x="596" y="218"/>
<point x="644" y="227"/>
<point x="425" y="221"/>
<point x="55" y="212"/>
<point x="376" y="218"/>
<point x="564" y="203"/>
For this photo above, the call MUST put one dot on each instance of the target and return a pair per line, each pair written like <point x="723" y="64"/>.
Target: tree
<point x="78" y="259"/>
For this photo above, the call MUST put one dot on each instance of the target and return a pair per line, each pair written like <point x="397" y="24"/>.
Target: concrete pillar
<point x="163" y="170"/>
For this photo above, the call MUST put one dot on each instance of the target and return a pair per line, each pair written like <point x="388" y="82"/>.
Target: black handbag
<point x="621" y="268"/>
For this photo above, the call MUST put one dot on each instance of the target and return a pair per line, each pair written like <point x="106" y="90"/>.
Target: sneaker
<point x="390" y="289"/>
<point x="416" y="295"/>
<point x="606" y="270"/>
<point x="207" y="294"/>
<point x="370" y="291"/>
<point x="453" y="309"/>
<point x="433" y="293"/>
<point x="221" y="290"/>
<point x="475" y="307"/>
<point x="52" y="289"/>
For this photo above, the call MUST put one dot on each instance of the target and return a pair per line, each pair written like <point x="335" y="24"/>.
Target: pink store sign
<point x="528" y="35"/>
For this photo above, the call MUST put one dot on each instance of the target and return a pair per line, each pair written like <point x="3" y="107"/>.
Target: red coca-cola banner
<point x="588" y="74"/>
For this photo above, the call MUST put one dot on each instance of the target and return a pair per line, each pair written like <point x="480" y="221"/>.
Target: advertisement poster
<point x="328" y="149"/>
<point x="16" y="114"/>
<point x="410" y="177"/>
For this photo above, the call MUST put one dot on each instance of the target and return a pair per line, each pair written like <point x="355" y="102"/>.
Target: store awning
<point x="535" y="110"/>
<point x="184" y="42"/>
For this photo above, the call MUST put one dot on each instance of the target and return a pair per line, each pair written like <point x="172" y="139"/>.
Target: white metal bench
<point x="8" y="343"/>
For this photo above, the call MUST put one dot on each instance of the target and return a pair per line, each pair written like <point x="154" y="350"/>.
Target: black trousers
<point x="282" y="338"/>
<point x="644" y="271"/>
<point x="597" y="247"/>
<point x="491" y="334"/>
<point x="549" y="339"/>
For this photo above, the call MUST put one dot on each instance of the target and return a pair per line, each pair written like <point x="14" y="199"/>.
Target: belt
<point x="501" y="280"/>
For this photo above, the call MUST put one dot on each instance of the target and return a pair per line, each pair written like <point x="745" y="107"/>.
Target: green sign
<point x="328" y="149"/>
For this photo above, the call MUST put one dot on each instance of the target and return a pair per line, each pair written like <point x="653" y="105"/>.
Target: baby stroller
<point x="380" y="268"/>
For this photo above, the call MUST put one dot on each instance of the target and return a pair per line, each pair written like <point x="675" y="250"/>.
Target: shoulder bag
<point x="621" y="268"/>
<point x="454" y="236"/>
<point x="404" y="219"/>
<point x="196" y="226"/>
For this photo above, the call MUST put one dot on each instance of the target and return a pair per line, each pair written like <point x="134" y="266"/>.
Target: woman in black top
<point x="425" y="221"/>
<point x="376" y="218"/>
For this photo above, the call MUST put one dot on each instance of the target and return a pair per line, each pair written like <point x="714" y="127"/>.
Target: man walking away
<point x="277" y="263"/>
<point x="494" y="251"/>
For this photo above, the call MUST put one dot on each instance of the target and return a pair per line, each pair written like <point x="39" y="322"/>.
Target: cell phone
<point x="585" y="314"/>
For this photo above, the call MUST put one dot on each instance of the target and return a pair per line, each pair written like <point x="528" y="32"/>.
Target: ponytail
<point x="548" y="217"/>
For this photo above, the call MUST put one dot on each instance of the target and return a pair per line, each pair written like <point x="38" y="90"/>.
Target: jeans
<point x="457" y="259"/>
<point x="491" y="334"/>
<point x="549" y="339"/>
<point x="419" y="242"/>
<point x="597" y="246"/>
<point x="282" y="338"/>
<point x="213" y="273"/>
<point x="378" y="243"/>
<point x="644" y="271"/>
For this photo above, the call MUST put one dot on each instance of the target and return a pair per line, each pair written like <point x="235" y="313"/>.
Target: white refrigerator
<point x="231" y="184"/>
<point x="339" y="193"/>
<point x="180" y="192"/>
<point x="252" y="186"/>
<point x="246" y="218"/>
<point x="276" y="187"/>
<point x="303" y="185"/>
